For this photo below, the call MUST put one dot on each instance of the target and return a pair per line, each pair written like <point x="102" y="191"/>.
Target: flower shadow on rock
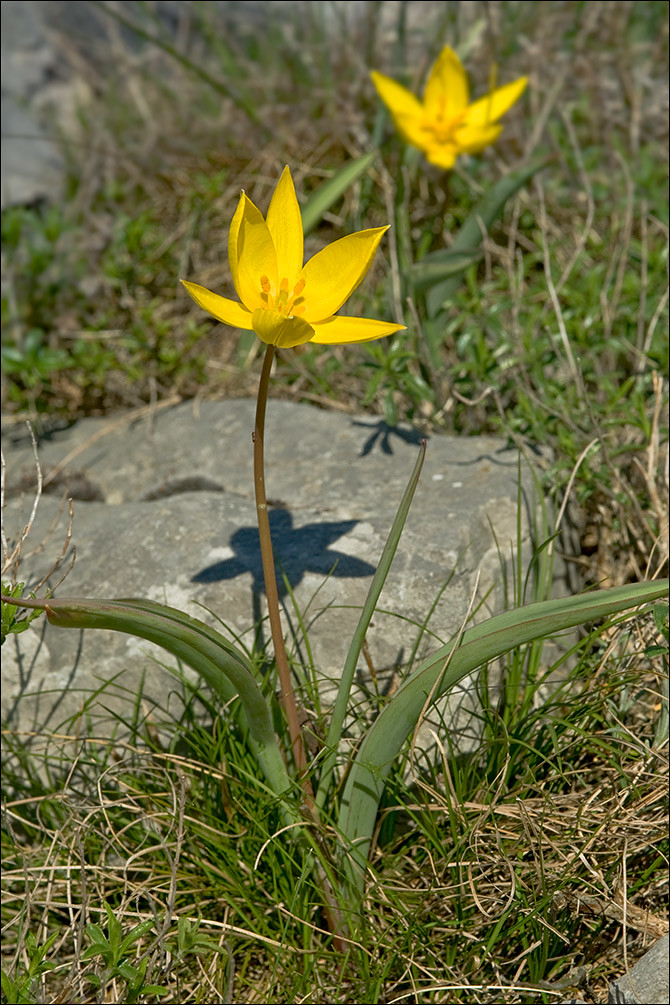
<point x="381" y="432"/>
<point x="298" y="550"/>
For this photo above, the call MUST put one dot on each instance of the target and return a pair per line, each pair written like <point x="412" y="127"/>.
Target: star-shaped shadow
<point x="297" y="550"/>
<point x="383" y="432"/>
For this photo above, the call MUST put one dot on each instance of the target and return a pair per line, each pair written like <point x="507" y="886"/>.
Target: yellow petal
<point x="408" y="113"/>
<point x="335" y="272"/>
<point x="276" y="328"/>
<point x="228" y="311"/>
<point x="443" y="156"/>
<point x="251" y="252"/>
<point x="398" y="100"/>
<point x="446" y="92"/>
<point x="489" y="108"/>
<point x="471" y="140"/>
<point x="413" y="131"/>
<point x="335" y="331"/>
<point x="285" y="226"/>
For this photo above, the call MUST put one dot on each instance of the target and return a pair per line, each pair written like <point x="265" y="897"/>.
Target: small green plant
<point x="112" y="948"/>
<point x="21" y="989"/>
<point x="33" y="362"/>
<point x="191" y="940"/>
<point x="12" y="624"/>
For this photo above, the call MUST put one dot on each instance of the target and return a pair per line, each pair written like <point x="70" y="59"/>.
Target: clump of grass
<point x="495" y="875"/>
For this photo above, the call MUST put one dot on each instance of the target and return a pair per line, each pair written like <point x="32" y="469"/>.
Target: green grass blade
<point x="328" y="193"/>
<point x="444" y="668"/>
<point x="440" y="265"/>
<point x="378" y="580"/>
<point x="219" y="85"/>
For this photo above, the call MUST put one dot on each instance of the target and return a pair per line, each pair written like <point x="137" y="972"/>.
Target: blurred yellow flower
<point x="283" y="301"/>
<point x="444" y="125"/>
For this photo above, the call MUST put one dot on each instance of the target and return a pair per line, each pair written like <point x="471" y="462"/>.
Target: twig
<point x="9" y="559"/>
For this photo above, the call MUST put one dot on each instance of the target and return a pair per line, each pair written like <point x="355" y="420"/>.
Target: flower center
<point x="441" y="126"/>
<point x="285" y="301"/>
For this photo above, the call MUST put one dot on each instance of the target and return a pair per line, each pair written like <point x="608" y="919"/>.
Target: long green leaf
<point x="378" y="580"/>
<point x="331" y="190"/>
<point x="225" y="669"/>
<point x="474" y="229"/>
<point x="441" y="265"/>
<point x="444" y="668"/>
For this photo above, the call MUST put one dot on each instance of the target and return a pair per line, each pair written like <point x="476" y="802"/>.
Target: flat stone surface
<point x="171" y="517"/>
<point x="32" y="164"/>
<point x="646" y="982"/>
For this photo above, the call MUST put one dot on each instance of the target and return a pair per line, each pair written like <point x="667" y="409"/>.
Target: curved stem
<point x="287" y="695"/>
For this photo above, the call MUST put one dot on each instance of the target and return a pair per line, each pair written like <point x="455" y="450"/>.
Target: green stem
<point x="287" y="696"/>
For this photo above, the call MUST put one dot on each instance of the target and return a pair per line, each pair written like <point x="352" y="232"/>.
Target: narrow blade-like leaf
<point x="331" y="190"/>
<point x="473" y="231"/>
<point x="225" y="669"/>
<point x="378" y="580"/>
<point x="444" y="668"/>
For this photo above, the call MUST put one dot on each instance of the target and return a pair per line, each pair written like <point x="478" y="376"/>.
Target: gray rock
<point x="32" y="164"/>
<point x="172" y="518"/>
<point x="46" y="49"/>
<point x="647" y="981"/>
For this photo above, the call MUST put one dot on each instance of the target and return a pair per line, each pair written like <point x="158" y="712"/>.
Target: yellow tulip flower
<point x="283" y="301"/>
<point x="444" y="125"/>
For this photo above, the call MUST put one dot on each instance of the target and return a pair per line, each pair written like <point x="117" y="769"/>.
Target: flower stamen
<point x="286" y="302"/>
<point x="266" y="293"/>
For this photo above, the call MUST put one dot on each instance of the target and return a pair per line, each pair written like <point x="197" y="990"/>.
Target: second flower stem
<point x="287" y="696"/>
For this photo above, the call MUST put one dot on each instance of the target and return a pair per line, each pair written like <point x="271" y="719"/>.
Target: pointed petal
<point x="285" y="226"/>
<point x="275" y="328"/>
<point x="228" y="311"/>
<point x="471" y="140"/>
<point x="447" y="92"/>
<point x="443" y="155"/>
<point x="338" y="330"/>
<point x="490" y="108"/>
<point x="335" y="272"/>
<point x="413" y="131"/>
<point x="251" y="253"/>
<point x="398" y="100"/>
<point x="407" y="111"/>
